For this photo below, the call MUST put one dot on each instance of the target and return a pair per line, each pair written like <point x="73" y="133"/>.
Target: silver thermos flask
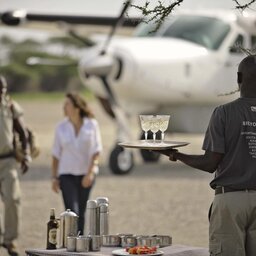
<point x="91" y="218"/>
<point x="68" y="226"/>
<point x="104" y="225"/>
<point x="100" y="200"/>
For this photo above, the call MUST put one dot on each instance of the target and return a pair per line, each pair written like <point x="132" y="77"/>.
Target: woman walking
<point x="75" y="153"/>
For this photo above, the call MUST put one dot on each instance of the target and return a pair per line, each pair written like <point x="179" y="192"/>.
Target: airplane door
<point x="234" y="56"/>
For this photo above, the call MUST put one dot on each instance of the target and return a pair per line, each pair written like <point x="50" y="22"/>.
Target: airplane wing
<point x="17" y="17"/>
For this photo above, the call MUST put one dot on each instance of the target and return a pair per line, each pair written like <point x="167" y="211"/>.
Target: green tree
<point x="23" y="77"/>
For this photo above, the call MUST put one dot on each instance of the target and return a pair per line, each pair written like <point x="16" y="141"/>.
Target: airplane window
<point x="206" y="31"/>
<point x="253" y="42"/>
<point x="236" y="47"/>
<point x="145" y="29"/>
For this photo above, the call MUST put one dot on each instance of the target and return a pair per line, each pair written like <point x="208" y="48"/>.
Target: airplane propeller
<point x="101" y="62"/>
<point x="117" y="24"/>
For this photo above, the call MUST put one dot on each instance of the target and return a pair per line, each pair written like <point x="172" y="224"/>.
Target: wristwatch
<point x="96" y="162"/>
<point x="27" y="157"/>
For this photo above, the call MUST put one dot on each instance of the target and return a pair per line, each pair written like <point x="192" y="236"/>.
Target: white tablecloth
<point x="173" y="250"/>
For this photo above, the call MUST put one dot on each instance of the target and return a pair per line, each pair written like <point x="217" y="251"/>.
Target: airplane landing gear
<point x="121" y="160"/>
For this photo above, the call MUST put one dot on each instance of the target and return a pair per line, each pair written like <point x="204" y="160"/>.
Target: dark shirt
<point x="232" y="132"/>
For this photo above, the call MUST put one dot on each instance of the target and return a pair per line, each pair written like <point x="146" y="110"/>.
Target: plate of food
<point x="138" y="250"/>
<point x="153" y="144"/>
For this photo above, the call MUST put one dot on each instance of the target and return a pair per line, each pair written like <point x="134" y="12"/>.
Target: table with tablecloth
<point x="173" y="250"/>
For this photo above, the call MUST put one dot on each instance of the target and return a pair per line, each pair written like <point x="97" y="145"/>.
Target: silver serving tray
<point x="153" y="145"/>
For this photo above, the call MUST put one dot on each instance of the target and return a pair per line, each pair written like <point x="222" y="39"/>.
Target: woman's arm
<point x="55" y="178"/>
<point x="90" y="175"/>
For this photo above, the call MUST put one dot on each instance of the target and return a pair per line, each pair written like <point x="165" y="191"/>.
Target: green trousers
<point x="232" y="230"/>
<point x="10" y="194"/>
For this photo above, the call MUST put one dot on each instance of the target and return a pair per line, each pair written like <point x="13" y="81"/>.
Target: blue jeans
<point x="75" y="196"/>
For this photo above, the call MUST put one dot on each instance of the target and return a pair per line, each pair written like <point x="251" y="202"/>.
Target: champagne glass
<point x="145" y="121"/>
<point x="154" y="126"/>
<point x="164" y="122"/>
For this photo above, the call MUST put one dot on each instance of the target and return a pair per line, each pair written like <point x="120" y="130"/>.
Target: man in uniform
<point x="10" y="119"/>
<point x="230" y="153"/>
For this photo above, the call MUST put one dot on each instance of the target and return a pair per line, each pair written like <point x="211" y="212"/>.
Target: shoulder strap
<point x="12" y="110"/>
<point x="10" y="104"/>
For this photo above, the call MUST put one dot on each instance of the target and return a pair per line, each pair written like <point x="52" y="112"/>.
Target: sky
<point x="100" y="7"/>
<point x="80" y="7"/>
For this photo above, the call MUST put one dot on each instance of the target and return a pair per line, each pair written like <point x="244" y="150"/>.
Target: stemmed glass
<point x="154" y="126"/>
<point x="145" y="122"/>
<point x="163" y="124"/>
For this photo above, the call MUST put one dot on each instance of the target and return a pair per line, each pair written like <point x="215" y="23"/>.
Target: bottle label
<point x="53" y="236"/>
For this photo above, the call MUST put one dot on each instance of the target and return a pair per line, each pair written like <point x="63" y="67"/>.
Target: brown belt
<point x="6" y="155"/>
<point x="222" y="190"/>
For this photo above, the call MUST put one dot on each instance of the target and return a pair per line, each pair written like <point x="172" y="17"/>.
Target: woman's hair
<point x="80" y="103"/>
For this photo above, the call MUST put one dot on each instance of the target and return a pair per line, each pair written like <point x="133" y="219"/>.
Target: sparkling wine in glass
<point x="164" y="122"/>
<point x="145" y="121"/>
<point x="154" y="126"/>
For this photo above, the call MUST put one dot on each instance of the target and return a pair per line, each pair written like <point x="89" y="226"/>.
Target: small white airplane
<point x="185" y="69"/>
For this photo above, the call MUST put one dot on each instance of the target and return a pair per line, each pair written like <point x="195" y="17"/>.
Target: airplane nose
<point x="99" y="65"/>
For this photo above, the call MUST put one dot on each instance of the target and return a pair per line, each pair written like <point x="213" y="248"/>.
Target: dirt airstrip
<point x="162" y="198"/>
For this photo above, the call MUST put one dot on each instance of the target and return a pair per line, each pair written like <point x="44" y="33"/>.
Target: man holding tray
<point x="230" y="152"/>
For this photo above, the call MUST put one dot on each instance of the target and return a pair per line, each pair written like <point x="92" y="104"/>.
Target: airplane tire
<point x="149" y="156"/>
<point x="121" y="161"/>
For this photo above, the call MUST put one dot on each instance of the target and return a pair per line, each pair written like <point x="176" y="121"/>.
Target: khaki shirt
<point x="6" y="125"/>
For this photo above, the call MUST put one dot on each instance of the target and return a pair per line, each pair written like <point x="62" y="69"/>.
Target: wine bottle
<point x="52" y="226"/>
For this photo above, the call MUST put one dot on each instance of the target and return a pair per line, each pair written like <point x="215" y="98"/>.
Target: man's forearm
<point x="201" y="162"/>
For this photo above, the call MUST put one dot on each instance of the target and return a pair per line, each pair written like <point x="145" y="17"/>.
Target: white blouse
<point x="75" y="152"/>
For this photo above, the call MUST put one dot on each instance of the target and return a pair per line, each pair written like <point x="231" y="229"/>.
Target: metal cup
<point x="96" y="242"/>
<point x="164" y="240"/>
<point x="111" y="240"/>
<point x="128" y="241"/>
<point x="148" y="241"/>
<point x="83" y="244"/>
<point x="71" y="243"/>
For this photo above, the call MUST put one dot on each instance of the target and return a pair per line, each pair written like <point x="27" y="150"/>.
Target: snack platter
<point x="123" y="252"/>
<point x="154" y="145"/>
